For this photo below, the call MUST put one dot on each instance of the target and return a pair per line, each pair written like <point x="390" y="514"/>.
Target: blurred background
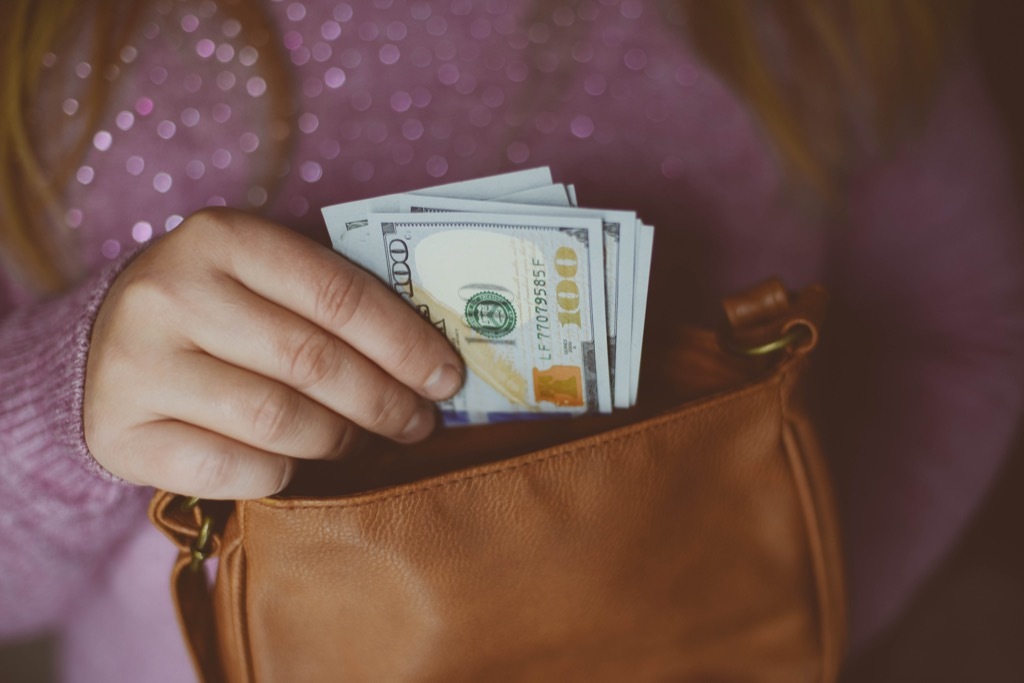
<point x="967" y="623"/>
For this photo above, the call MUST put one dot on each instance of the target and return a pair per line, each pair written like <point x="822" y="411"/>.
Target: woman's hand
<point x="234" y="346"/>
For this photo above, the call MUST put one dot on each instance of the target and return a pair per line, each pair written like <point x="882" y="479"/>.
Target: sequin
<point x="135" y="165"/>
<point x="448" y="74"/>
<point x="144" y="106"/>
<point x="445" y="50"/>
<point x="70" y="106"/>
<point x="322" y="52"/>
<point x="248" y="55"/>
<point x="195" y="169"/>
<point x="216" y="200"/>
<point x="369" y="31"/>
<point x="437" y="166"/>
<point x="420" y="10"/>
<point x="128" y="54"/>
<point x="437" y="26"/>
<point x="635" y="59"/>
<point x="595" y="84"/>
<point x="83" y="69"/>
<point x="362" y="100"/>
<point x="292" y="40"/>
<point x="226" y="80"/>
<point x="173" y="221"/>
<point x="517" y="71"/>
<point x="111" y="249"/>
<point x="189" y="23"/>
<point x="389" y="54"/>
<point x="221" y="112"/>
<point x="631" y="9"/>
<point x="49" y="59"/>
<point x="334" y="77"/>
<point x="111" y="72"/>
<point x="221" y="159"/>
<point x="518" y="152"/>
<point x="311" y="171"/>
<point x="330" y="149"/>
<point x="376" y="132"/>
<point x="257" y="195"/>
<point x="142" y="232"/>
<point x="351" y="58"/>
<point x="256" y="86"/>
<point x="396" y="31"/>
<point x="402" y="153"/>
<point x="582" y="126"/>
<point x="225" y="53"/>
<point x="672" y="168"/>
<point x="85" y="174"/>
<point x="401" y="101"/>
<point x="362" y="170"/>
<point x="300" y="56"/>
<point x="583" y="52"/>
<point x="231" y="28"/>
<point x="162" y="182"/>
<point x="421" y="97"/>
<point x="421" y="57"/>
<point x="151" y="30"/>
<point x="480" y="29"/>
<point x="73" y="218"/>
<point x="166" y="129"/>
<point x="205" y="48"/>
<point x="312" y="87"/>
<point x="461" y="7"/>
<point x="308" y="123"/>
<point x="248" y="142"/>
<point x="342" y="12"/>
<point x="412" y="130"/>
<point x="102" y="140"/>
<point x="190" y="116"/>
<point x="330" y="30"/>
<point x="193" y="82"/>
<point x="296" y="11"/>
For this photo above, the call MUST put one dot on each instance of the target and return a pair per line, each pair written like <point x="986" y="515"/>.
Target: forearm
<point x="60" y="513"/>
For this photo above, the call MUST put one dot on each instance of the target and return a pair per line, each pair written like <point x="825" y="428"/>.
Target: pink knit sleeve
<point x="929" y="357"/>
<point x="60" y="512"/>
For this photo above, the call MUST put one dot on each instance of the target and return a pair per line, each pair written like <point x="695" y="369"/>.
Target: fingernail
<point x="443" y="384"/>
<point x="419" y="427"/>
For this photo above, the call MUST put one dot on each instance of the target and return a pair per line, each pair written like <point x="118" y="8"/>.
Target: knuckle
<point x="345" y="439"/>
<point x="391" y="409"/>
<point x="411" y="356"/>
<point x="311" y="360"/>
<point x="274" y="416"/>
<point x="339" y="297"/>
<point x="215" y="472"/>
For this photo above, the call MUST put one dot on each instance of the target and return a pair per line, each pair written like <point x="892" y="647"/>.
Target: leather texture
<point x="696" y="543"/>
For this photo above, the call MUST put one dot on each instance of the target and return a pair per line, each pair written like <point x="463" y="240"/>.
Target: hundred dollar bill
<point x="550" y="195"/>
<point x="644" y="253"/>
<point x="520" y="297"/>
<point x="618" y="231"/>
<point x="344" y="218"/>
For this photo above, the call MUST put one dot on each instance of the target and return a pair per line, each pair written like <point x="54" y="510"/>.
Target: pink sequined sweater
<point x="399" y="94"/>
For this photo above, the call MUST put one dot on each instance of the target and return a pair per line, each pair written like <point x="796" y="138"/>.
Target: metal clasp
<point x="199" y="546"/>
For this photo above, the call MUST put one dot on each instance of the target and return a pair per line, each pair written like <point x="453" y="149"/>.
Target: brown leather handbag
<point x="694" y="540"/>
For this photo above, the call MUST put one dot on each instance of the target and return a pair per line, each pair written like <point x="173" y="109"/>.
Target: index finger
<point x="335" y="294"/>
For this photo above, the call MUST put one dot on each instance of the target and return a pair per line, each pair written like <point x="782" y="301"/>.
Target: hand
<point x="234" y="346"/>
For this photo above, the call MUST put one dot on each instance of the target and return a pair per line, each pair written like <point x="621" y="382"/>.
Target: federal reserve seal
<point x="491" y="315"/>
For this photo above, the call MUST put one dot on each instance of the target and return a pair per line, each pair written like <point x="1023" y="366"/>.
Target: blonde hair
<point x="32" y="236"/>
<point x="809" y="68"/>
<point x="800" y="65"/>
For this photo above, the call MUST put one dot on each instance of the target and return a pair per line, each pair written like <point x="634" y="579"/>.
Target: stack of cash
<point x="545" y="301"/>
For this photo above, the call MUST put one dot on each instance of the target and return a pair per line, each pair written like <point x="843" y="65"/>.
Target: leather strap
<point x="190" y="585"/>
